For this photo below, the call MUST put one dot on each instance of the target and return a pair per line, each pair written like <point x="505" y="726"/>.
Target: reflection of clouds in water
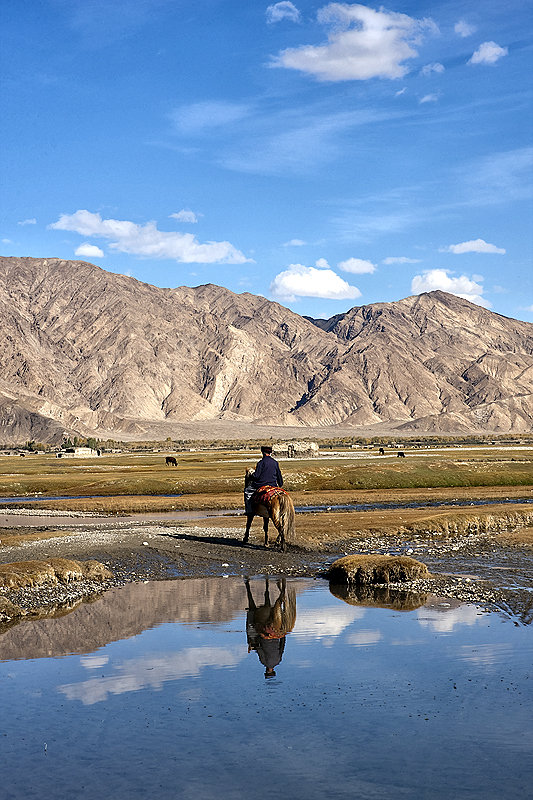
<point x="318" y="623"/>
<point x="152" y="671"/>
<point x="445" y="620"/>
<point x="93" y="662"/>
<point x="486" y="654"/>
<point x="362" y="638"/>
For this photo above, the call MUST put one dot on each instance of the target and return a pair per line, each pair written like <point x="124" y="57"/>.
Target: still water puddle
<point x="218" y="688"/>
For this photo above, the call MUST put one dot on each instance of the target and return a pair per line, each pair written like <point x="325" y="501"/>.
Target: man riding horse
<point x="266" y="473"/>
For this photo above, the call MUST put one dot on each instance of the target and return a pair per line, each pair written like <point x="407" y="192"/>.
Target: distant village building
<point x="78" y="452"/>
<point x="295" y="450"/>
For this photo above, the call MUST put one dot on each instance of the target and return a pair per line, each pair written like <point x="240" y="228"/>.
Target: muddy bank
<point x="493" y="568"/>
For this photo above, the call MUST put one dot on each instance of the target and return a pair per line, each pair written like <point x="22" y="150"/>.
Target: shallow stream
<point x="158" y="690"/>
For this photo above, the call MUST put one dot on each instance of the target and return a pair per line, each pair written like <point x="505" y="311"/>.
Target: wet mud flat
<point x="491" y="568"/>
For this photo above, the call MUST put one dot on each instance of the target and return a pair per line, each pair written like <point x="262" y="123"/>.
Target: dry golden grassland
<point x="136" y="483"/>
<point x="222" y="473"/>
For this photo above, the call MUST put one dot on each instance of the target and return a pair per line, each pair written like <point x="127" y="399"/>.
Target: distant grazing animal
<point x="271" y="502"/>
<point x="170" y="461"/>
<point x="381" y="451"/>
<point x="401" y="454"/>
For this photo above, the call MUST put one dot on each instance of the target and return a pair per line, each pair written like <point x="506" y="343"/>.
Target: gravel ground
<point x="474" y="568"/>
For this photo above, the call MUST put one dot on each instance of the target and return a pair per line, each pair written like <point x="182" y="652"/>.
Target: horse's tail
<point x="288" y="613"/>
<point x="286" y="517"/>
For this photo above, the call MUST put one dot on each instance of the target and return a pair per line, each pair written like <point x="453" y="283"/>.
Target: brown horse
<point x="278" y="508"/>
<point x="267" y="625"/>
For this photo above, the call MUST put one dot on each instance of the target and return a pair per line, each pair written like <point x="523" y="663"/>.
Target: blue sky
<point x="324" y="155"/>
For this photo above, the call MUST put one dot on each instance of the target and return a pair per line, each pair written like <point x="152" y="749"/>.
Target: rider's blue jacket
<point x="267" y="473"/>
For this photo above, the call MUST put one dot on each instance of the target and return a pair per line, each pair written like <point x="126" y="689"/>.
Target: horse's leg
<point x="251" y="601"/>
<point x="249" y="518"/>
<point x="276" y="519"/>
<point x="265" y="528"/>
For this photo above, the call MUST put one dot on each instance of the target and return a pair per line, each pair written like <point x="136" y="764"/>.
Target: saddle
<point x="266" y="493"/>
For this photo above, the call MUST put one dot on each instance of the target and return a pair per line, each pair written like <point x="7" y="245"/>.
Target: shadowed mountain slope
<point x="97" y="353"/>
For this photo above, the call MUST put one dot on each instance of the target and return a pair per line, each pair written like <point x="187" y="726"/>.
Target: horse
<point x="273" y="505"/>
<point x="170" y="461"/>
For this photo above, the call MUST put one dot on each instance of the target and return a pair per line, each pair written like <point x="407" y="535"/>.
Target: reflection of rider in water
<point x="267" y="625"/>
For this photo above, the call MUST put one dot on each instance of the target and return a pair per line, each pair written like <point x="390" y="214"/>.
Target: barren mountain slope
<point x="440" y="363"/>
<point x="91" y="351"/>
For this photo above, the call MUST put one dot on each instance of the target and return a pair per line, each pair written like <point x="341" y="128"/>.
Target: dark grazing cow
<point x="381" y="451"/>
<point x="170" y="461"/>
<point x="401" y="454"/>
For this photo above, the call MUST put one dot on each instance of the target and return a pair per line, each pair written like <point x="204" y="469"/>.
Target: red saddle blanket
<point x="266" y="493"/>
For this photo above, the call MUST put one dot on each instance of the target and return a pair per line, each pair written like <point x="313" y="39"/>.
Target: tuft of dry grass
<point x="362" y="570"/>
<point x="19" y="574"/>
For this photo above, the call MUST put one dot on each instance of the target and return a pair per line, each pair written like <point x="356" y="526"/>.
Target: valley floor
<point x="482" y="555"/>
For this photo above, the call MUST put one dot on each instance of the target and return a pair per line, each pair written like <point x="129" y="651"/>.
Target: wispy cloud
<point x="488" y="53"/>
<point x="362" y="44"/>
<point x="319" y="281"/>
<point x="474" y="246"/>
<point x="429" y="98"/>
<point x="464" y="29"/>
<point x="436" y="67"/>
<point x="297" y="142"/>
<point x="294" y="243"/>
<point x="499" y="177"/>
<point x="357" y="266"/>
<point x="462" y="286"/>
<point x="185" y="215"/>
<point x="203" y="118"/>
<point x="31" y="221"/>
<point x="400" y="260"/>
<point x="147" y="240"/>
<point x="280" y="11"/>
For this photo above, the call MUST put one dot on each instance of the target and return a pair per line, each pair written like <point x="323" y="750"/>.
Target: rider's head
<point x="266" y="450"/>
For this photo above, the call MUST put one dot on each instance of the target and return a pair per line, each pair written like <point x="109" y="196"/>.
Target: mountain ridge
<point x="97" y="353"/>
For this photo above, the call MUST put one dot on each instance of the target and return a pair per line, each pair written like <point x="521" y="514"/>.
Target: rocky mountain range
<point x="99" y="354"/>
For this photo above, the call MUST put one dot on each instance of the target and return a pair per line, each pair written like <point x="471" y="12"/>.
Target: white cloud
<point x="529" y="308"/>
<point x="294" y="243"/>
<point x="147" y="240"/>
<point x="301" y="281"/>
<point x="434" y="279"/>
<point x="429" y="98"/>
<point x="357" y="266"/>
<point x="31" y="221"/>
<point x="400" y="92"/>
<point x="401" y="260"/>
<point x="364" y="638"/>
<point x="464" y="29"/>
<point x="89" y="250"/>
<point x="474" y="246"/>
<point x="488" y="53"/>
<point x="445" y="620"/>
<point x="435" y="67"/>
<point x="151" y="671"/>
<point x="321" y="263"/>
<point x="185" y="215"/>
<point x="362" y="44"/>
<point x="283" y="10"/>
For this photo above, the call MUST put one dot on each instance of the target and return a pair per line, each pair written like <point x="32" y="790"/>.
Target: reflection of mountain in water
<point x="380" y="596"/>
<point x="122" y="613"/>
<point x="126" y="612"/>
